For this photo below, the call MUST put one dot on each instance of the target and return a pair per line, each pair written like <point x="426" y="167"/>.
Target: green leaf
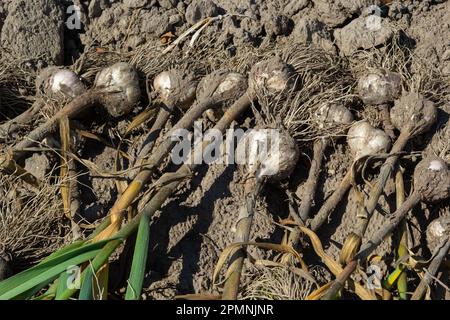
<point x="107" y="250"/>
<point x="100" y="259"/>
<point x="86" y="287"/>
<point x="47" y="270"/>
<point x="64" y="250"/>
<point x="63" y="280"/>
<point x="138" y="266"/>
<point x="42" y="274"/>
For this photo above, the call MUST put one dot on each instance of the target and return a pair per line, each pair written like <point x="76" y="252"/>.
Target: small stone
<point x="166" y="4"/>
<point x="363" y="33"/>
<point x="279" y="25"/>
<point x="294" y="7"/>
<point x="174" y="19"/>
<point x="201" y="9"/>
<point x="38" y="165"/>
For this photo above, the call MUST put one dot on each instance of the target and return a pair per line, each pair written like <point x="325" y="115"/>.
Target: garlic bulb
<point x="120" y="82"/>
<point x="432" y="179"/>
<point x="379" y="86"/>
<point x="332" y="114"/>
<point x="54" y="81"/>
<point x="223" y="85"/>
<point x="268" y="153"/>
<point x="437" y="230"/>
<point x="271" y="76"/>
<point x="233" y="82"/>
<point x="176" y="88"/>
<point x="364" y="140"/>
<point x="231" y="85"/>
<point x="414" y="112"/>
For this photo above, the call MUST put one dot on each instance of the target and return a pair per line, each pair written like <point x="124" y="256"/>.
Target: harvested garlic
<point x="364" y="140"/>
<point x="121" y="83"/>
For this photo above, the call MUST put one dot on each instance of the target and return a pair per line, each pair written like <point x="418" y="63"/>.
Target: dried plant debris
<point x="31" y="221"/>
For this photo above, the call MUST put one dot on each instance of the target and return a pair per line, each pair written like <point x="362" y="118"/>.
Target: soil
<point x="196" y="223"/>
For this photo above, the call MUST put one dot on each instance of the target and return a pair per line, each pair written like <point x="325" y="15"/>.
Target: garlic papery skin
<point x="271" y="76"/>
<point x="233" y="82"/>
<point x="224" y="85"/>
<point x="437" y="230"/>
<point x="332" y="114"/>
<point x="414" y="113"/>
<point x="176" y="88"/>
<point x="54" y="81"/>
<point x="364" y="140"/>
<point x="268" y="153"/>
<point x="379" y="86"/>
<point x="163" y="85"/>
<point x="120" y="82"/>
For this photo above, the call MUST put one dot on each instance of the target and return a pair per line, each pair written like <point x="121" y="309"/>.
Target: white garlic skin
<point x="364" y="140"/>
<point x="272" y="76"/>
<point x="276" y="160"/>
<point x="163" y="85"/>
<point x="331" y="114"/>
<point x="232" y="82"/>
<point x="432" y="179"/>
<point x="67" y="82"/>
<point x="122" y="81"/>
<point x="436" y="231"/>
<point x="230" y="85"/>
<point x="379" y="86"/>
<point x="276" y="81"/>
<point x="225" y="86"/>
<point x="176" y="88"/>
<point x="436" y="228"/>
<point x="55" y="81"/>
